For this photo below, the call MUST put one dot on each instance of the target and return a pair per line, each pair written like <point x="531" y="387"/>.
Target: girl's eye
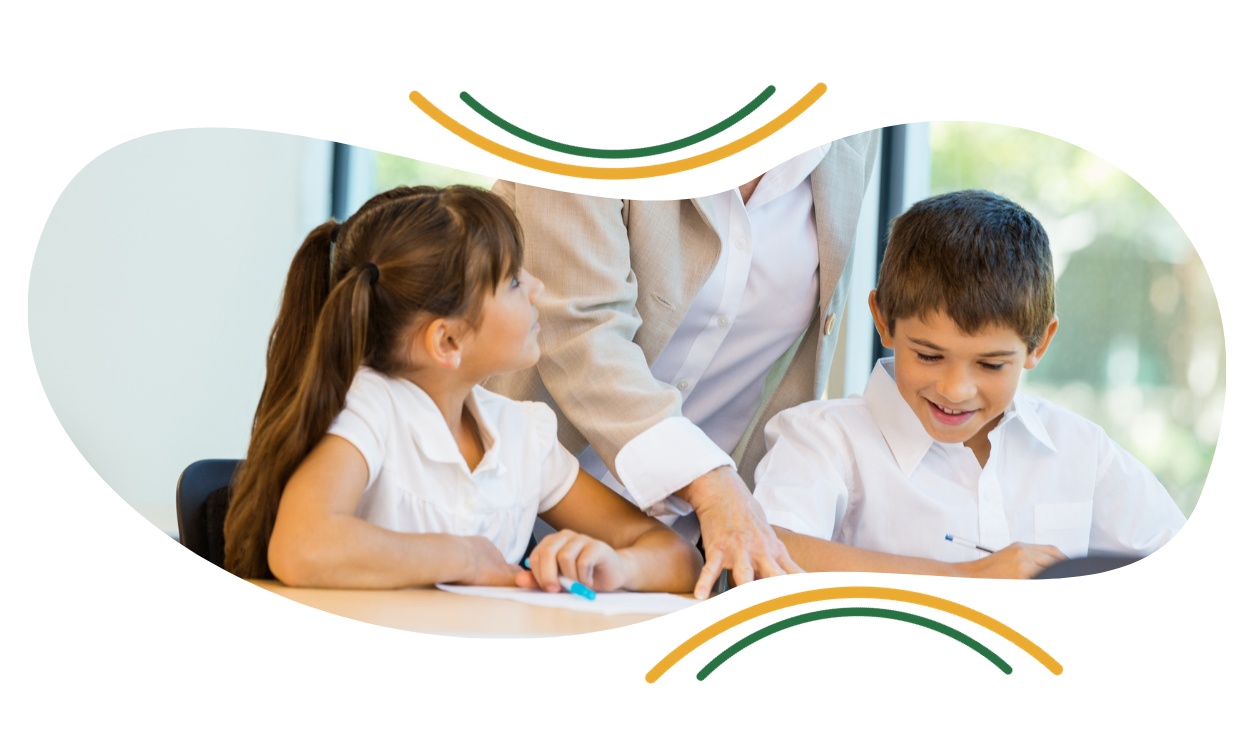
<point x="515" y="282"/>
<point x="928" y="357"/>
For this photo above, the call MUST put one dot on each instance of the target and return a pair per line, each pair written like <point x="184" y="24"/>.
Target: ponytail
<point x="307" y="288"/>
<point x="317" y="344"/>
<point x="337" y="352"/>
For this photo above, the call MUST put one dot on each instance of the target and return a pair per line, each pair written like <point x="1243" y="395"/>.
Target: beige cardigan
<point x="619" y="278"/>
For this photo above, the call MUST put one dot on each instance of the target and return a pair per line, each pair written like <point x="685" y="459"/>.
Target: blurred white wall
<point x="155" y="284"/>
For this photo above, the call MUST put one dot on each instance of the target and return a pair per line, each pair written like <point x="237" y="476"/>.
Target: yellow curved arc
<point x="853" y="592"/>
<point x="619" y="173"/>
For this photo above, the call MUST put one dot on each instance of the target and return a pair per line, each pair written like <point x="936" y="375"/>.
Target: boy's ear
<point x="882" y="327"/>
<point x="441" y="342"/>
<point x="1034" y="357"/>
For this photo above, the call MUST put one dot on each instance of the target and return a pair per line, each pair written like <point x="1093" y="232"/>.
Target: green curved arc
<point x="617" y="154"/>
<point x="842" y="612"/>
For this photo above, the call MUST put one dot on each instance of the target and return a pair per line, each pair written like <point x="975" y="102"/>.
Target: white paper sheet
<point x="607" y="603"/>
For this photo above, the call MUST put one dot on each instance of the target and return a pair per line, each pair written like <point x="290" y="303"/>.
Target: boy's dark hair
<point x="976" y="256"/>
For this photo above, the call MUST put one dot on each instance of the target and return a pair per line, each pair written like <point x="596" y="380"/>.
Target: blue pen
<point x="967" y="543"/>
<point x="576" y="587"/>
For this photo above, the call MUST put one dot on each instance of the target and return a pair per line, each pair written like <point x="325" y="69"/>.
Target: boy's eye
<point x="928" y="357"/>
<point x="993" y="367"/>
<point x="515" y="282"/>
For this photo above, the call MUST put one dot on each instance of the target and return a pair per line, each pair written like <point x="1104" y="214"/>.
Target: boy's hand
<point x="485" y="565"/>
<point x="578" y="557"/>
<point x="1019" y="561"/>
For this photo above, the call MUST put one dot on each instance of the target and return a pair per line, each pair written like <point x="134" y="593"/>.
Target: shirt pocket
<point x="1065" y="526"/>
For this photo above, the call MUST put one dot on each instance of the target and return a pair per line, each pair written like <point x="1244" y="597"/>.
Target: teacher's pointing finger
<point x="707" y="577"/>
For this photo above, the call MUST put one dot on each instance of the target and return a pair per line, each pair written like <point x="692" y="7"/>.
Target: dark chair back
<point x="1065" y="569"/>
<point x="204" y="498"/>
<point x="200" y="523"/>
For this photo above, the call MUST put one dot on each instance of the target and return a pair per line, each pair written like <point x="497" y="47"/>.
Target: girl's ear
<point x="1034" y="357"/>
<point x="882" y="328"/>
<point x="440" y="341"/>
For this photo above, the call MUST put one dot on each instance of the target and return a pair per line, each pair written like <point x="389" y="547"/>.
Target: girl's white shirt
<point x="418" y="481"/>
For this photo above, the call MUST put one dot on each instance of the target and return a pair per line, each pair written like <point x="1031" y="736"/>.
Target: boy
<point x="940" y="443"/>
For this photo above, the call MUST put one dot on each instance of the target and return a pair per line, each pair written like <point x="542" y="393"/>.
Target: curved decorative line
<point x="852" y="592"/>
<point x="842" y="612"/>
<point x="618" y="154"/>
<point x="622" y="173"/>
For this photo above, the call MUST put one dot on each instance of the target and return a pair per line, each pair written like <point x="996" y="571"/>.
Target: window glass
<point x="1139" y="348"/>
<point x="393" y="170"/>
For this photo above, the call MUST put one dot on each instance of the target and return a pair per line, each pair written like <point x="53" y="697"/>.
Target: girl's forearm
<point x="349" y="553"/>
<point x="661" y="560"/>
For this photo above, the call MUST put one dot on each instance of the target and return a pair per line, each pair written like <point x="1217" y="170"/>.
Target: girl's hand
<point x="484" y="564"/>
<point x="581" y="558"/>
<point x="1019" y="561"/>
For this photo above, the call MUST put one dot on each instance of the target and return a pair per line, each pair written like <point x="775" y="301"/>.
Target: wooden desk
<point x="433" y="611"/>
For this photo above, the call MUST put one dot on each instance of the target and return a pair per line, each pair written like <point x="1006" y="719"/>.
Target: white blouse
<point x="754" y="305"/>
<point x="418" y="481"/>
<point x="863" y="471"/>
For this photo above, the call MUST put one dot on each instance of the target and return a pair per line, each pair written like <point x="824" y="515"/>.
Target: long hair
<point x="436" y="251"/>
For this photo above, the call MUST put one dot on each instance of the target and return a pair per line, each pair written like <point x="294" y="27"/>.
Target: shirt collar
<point x="785" y="177"/>
<point x="430" y="432"/>
<point x="905" y="435"/>
<point x="778" y="181"/>
<point x="1021" y="407"/>
<point x="487" y="423"/>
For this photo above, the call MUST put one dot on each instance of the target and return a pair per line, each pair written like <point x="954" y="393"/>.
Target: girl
<point x="377" y="461"/>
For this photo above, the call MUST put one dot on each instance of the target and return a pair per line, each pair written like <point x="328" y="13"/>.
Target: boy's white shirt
<point x="863" y="471"/>
<point x="418" y="480"/>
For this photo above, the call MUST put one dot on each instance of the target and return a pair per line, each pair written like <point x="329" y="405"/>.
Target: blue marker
<point x="576" y="587"/>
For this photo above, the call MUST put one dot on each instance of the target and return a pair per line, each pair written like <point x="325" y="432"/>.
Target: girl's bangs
<point x="495" y="250"/>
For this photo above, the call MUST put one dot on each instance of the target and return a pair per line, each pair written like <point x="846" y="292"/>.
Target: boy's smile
<point x="958" y="385"/>
<point x="950" y="417"/>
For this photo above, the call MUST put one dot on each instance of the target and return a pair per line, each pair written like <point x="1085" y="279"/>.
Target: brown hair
<point x="977" y="257"/>
<point x="351" y="292"/>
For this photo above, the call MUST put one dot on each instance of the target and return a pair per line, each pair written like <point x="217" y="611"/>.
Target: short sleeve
<point x="1132" y="512"/>
<point x="799" y="482"/>
<point x="365" y="419"/>
<point x="559" y="468"/>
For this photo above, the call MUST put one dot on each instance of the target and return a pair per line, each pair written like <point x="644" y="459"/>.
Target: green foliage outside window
<point x="1140" y="344"/>
<point x="393" y="170"/>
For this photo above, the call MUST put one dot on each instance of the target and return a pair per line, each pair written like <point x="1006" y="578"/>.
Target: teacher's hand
<point x="735" y="533"/>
